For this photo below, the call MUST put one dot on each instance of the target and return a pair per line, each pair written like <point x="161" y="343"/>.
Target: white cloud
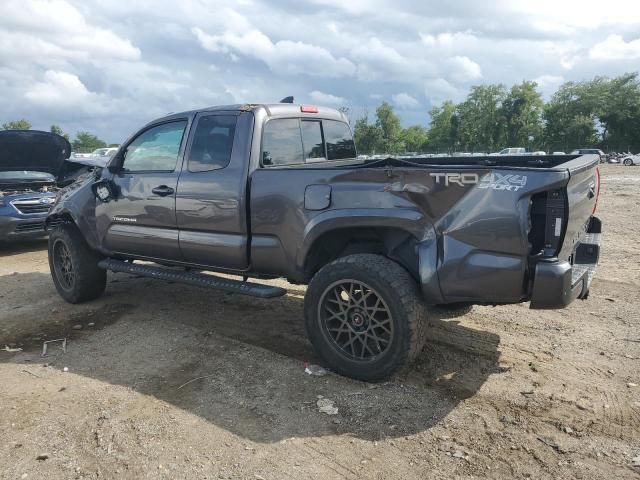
<point x="327" y="98"/>
<point x="463" y="69"/>
<point x="438" y="90"/>
<point x="577" y="14"/>
<point x="570" y="61"/>
<point x="404" y="101"/>
<point x="283" y="56"/>
<point x="64" y="94"/>
<point x="62" y="30"/>
<point x="548" y="84"/>
<point x="58" y="88"/>
<point x="615" y="48"/>
<point x="376" y="59"/>
<point x="448" y="40"/>
<point x="110" y="66"/>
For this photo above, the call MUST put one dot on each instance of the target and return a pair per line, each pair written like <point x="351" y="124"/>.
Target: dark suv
<point x="29" y="164"/>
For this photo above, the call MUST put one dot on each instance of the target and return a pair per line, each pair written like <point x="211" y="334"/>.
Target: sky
<point x="109" y="66"/>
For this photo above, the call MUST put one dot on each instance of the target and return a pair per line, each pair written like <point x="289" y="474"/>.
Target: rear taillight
<point x="308" y="109"/>
<point x="597" y="192"/>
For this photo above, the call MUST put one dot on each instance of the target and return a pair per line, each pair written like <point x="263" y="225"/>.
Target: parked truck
<point x="276" y="190"/>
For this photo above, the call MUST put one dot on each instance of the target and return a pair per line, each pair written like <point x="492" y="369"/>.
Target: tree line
<point x="599" y="113"/>
<point x="84" y="142"/>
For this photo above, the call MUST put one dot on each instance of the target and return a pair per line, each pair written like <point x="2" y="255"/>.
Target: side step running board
<point x="197" y="279"/>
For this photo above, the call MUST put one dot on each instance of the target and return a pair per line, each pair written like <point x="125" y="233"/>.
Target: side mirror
<point x="115" y="163"/>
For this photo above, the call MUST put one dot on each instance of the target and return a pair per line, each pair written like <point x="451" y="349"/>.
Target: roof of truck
<point x="271" y="109"/>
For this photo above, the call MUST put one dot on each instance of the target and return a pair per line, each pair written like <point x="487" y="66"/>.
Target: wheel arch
<point x="64" y="216"/>
<point x="393" y="234"/>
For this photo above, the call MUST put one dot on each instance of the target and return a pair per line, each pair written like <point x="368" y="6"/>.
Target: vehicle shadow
<point x="24" y="246"/>
<point x="196" y="349"/>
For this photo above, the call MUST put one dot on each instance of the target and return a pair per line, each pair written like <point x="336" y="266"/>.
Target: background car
<point x="30" y="160"/>
<point x="104" y="152"/>
<point x="631" y="160"/>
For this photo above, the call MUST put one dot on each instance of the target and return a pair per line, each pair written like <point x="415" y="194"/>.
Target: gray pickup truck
<point x="268" y="191"/>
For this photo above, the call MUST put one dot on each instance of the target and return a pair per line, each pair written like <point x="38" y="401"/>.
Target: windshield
<point x="26" y="176"/>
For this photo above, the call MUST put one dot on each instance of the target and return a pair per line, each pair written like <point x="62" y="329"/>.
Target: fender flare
<point x="410" y="220"/>
<point x="84" y="227"/>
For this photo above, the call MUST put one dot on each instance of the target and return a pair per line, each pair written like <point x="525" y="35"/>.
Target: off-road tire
<point x="89" y="280"/>
<point x="397" y="289"/>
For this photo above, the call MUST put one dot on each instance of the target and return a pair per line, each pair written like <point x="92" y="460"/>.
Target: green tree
<point x="367" y="137"/>
<point x="443" y="129"/>
<point x="482" y="128"/>
<point x="58" y="131"/>
<point x="616" y="104"/>
<point x="86" y="142"/>
<point x="415" y="138"/>
<point x="389" y="125"/>
<point x="17" y="125"/>
<point x="522" y="111"/>
<point x="570" y="120"/>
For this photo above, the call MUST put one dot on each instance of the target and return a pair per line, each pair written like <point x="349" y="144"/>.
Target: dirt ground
<point x="170" y="381"/>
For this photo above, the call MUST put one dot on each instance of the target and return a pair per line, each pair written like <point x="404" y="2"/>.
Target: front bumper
<point x="17" y="228"/>
<point x="557" y="283"/>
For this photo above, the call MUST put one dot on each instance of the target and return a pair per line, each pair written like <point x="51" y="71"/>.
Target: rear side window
<point x="212" y="143"/>
<point x="339" y="140"/>
<point x="294" y="141"/>
<point x="282" y="142"/>
<point x="155" y="149"/>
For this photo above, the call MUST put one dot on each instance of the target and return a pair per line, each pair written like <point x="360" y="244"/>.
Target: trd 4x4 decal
<point x="461" y="179"/>
<point x="494" y="181"/>
<point x="497" y="181"/>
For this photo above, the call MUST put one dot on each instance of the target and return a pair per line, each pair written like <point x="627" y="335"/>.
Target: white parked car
<point x="104" y="152"/>
<point x="631" y="160"/>
<point x="512" y="151"/>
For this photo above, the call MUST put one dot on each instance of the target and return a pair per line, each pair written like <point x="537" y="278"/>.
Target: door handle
<point x="163" y="190"/>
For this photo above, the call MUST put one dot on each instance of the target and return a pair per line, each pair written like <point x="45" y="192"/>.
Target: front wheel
<point x="74" y="266"/>
<point x="628" y="162"/>
<point x="364" y="316"/>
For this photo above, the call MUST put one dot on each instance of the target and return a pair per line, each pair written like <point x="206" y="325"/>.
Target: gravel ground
<point x="166" y="381"/>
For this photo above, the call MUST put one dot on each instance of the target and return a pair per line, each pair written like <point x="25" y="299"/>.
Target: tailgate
<point x="581" y="196"/>
<point x="570" y="225"/>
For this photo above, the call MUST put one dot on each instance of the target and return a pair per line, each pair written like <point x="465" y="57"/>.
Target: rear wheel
<point x="364" y="316"/>
<point x="74" y="266"/>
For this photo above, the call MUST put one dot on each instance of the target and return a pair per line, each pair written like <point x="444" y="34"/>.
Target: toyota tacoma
<point x="277" y="190"/>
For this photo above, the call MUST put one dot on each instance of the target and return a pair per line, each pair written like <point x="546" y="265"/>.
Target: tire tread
<point x="400" y="281"/>
<point x="90" y="279"/>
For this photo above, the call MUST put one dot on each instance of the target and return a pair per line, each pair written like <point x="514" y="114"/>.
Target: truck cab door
<point x="141" y="220"/>
<point x="211" y="208"/>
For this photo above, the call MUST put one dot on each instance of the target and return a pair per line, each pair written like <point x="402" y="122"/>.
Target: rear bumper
<point x="557" y="283"/>
<point x="17" y="228"/>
